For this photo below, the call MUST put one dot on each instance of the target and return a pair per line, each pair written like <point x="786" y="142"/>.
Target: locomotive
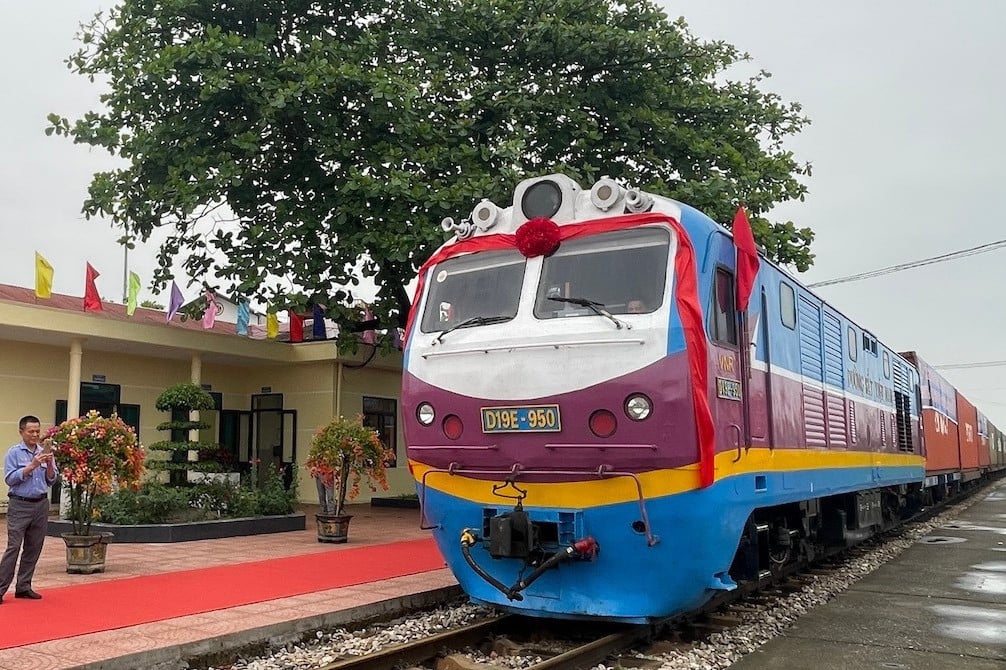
<point x="598" y="428"/>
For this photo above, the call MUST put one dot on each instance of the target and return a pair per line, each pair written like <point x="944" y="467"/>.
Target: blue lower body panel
<point x="631" y="579"/>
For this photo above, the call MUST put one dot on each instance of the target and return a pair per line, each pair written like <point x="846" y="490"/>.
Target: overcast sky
<point x="907" y="137"/>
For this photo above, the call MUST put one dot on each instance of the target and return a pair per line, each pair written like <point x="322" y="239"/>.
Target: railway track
<point x="488" y="633"/>
<point x="726" y="628"/>
<point x="624" y="646"/>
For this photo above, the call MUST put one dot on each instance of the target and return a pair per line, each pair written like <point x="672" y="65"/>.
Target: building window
<point x="787" y="305"/>
<point x="381" y="414"/>
<point x="724" y="318"/>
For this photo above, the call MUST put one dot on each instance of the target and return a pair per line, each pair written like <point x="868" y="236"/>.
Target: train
<point x="599" y="428"/>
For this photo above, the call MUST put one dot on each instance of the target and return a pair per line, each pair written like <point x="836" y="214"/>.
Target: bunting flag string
<point x="369" y="336"/>
<point x="92" y="301"/>
<point x="210" y="315"/>
<point x="271" y="325"/>
<point x="296" y="326"/>
<point x="175" y="303"/>
<point x="243" y="318"/>
<point x="43" y="277"/>
<point x="133" y="294"/>
<point x="318" y="331"/>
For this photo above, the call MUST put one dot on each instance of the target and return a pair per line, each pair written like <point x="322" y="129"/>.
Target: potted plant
<point x="93" y="454"/>
<point x="343" y="454"/>
<point x="180" y="400"/>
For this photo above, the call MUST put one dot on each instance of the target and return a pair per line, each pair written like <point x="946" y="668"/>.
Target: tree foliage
<point x="291" y="146"/>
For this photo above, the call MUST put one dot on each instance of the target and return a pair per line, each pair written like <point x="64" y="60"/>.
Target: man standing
<point x="29" y="471"/>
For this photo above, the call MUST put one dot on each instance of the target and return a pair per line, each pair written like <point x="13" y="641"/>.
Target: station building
<point x="56" y="360"/>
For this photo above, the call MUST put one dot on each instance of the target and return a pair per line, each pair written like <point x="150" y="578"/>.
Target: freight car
<point x="614" y="411"/>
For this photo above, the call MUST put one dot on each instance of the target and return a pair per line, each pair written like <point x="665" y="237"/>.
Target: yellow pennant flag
<point x="43" y="277"/>
<point x="271" y="325"/>
<point x="134" y="292"/>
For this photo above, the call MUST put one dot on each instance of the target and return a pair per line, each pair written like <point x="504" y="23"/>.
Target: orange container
<point x="967" y="429"/>
<point x="939" y="418"/>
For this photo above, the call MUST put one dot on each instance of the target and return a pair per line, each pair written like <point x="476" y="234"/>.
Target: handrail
<point x="601" y="447"/>
<point x="542" y="345"/>
<point x="460" y="447"/>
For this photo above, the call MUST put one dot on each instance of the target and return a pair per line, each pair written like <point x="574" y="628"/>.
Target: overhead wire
<point x="970" y="366"/>
<point x="942" y="258"/>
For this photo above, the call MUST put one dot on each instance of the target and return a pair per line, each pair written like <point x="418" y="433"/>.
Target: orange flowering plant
<point x="94" y="453"/>
<point x="345" y="452"/>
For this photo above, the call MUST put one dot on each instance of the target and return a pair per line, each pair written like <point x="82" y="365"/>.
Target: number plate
<point x="728" y="389"/>
<point x="521" y="419"/>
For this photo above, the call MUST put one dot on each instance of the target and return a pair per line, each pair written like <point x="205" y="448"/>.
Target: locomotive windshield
<point x="478" y="285"/>
<point x="625" y="271"/>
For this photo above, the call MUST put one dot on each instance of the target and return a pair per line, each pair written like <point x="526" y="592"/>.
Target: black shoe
<point x="28" y="594"/>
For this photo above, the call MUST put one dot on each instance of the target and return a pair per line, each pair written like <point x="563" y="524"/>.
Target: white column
<point x="72" y="409"/>
<point x="196" y="376"/>
<point x="73" y="390"/>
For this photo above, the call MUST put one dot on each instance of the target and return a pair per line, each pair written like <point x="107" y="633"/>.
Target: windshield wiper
<point x="596" y="307"/>
<point x="474" y="321"/>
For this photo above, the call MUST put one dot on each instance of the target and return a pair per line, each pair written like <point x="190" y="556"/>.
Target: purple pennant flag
<point x="176" y="300"/>
<point x="318" y="323"/>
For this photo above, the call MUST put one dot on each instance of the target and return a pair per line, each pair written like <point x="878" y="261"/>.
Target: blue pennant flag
<point x="243" y="316"/>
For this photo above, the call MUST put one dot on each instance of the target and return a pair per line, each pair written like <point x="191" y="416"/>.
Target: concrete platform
<point x="165" y="644"/>
<point x="941" y="604"/>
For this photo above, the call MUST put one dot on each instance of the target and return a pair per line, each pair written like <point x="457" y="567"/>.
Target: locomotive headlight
<point x="425" y="413"/>
<point x="637" y="407"/>
<point x="542" y="199"/>
<point x="485" y="214"/>
<point x="605" y="193"/>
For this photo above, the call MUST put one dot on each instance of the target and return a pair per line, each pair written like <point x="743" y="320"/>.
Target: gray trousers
<point x="325" y="497"/>
<point x="26" y="524"/>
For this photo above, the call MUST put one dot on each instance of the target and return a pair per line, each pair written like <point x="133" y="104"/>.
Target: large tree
<point x="291" y="145"/>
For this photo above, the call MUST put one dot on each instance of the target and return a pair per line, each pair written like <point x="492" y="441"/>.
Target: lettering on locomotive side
<point x="869" y="387"/>
<point x="942" y="423"/>
<point x="726" y="362"/>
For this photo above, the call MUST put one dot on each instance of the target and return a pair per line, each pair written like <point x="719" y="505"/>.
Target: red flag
<point x="92" y="301"/>
<point x="747" y="258"/>
<point x="296" y="327"/>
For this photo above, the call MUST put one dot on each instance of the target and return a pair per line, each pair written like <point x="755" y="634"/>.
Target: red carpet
<point x="97" y="606"/>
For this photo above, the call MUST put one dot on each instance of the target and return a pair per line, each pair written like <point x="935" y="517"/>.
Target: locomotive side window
<point x="853" y="344"/>
<point x="625" y="271"/>
<point x="787" y="305"/>
<point x="724" y="317"/>
<point x="486" y="284"/>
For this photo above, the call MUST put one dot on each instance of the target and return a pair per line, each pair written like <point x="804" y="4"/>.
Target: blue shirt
<point x="37" y="484"/>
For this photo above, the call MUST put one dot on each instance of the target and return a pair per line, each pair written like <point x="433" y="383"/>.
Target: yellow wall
<point x="34" y="376"/>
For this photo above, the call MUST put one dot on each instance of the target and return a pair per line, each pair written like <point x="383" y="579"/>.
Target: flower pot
<point x="333" y="528"/>
<point x="85" y="554"/>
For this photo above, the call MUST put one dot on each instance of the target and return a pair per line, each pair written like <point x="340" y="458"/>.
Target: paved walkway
<point x="162" y="643"/>
<point x="941" y="604"/>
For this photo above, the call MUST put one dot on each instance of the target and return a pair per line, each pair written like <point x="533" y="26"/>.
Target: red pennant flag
<point x="92" y="301"/>
<point x="296" y="327"/>
<point x="747" y="258"/>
